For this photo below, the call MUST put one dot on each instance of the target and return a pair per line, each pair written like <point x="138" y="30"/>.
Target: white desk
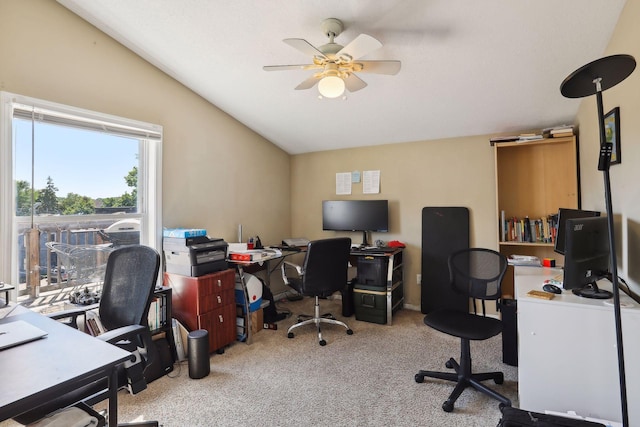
<point x="567" y="356"/>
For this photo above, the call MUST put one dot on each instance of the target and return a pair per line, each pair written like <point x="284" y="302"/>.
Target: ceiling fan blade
<point x="308" y="83"/>
<point x="354" y="83"/>
<point x="304" y="46"/>
<point x="380" y="67"/>
<point x="290" y="67"/>
<point x="360" y="46"/>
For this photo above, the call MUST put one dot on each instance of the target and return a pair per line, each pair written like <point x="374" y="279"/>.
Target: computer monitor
<point x="586" y="256"/>
<point x="356" y="215"/>
<point x="563" y="215"/>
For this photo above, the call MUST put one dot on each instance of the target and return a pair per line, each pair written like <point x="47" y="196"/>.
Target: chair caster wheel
<point x="499" y="379"/>
<point x="323" y="343"/>
<point x="448" y="364"/>
<point x="419" y="378"/>
<point x="349" y="332"/>
<point x="501" y="406"/>
<point x="290" y="335"/>
<point x="447" y="406"/>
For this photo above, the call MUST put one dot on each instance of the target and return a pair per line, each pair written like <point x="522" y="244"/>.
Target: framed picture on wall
<point x="612" y="133"/>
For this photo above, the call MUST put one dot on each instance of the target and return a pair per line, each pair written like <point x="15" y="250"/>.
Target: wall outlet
<point x="419" y="279"/>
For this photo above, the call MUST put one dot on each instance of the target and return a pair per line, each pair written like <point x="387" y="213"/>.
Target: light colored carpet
<point x="364" y="379"/>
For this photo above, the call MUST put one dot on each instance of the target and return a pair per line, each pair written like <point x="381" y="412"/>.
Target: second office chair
<point x="323" y="272"/>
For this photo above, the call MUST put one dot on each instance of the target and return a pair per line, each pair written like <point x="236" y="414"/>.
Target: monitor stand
<point x="364" y="240"/>
<point x="592" y="291"/>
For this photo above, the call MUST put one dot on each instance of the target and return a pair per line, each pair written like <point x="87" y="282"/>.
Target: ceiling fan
<point x="337" y="64"/>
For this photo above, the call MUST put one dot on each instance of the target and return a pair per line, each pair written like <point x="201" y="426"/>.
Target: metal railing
<point x="60" y="259"/>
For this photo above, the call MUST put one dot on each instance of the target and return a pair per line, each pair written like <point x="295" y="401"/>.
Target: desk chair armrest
<point x="127" y="333"/>
<point x="130" y="333"/>
<point x="283" y="268"/>
<point x="71" y="314"/>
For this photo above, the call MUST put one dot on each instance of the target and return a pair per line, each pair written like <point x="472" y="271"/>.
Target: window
<point x="70" y="179"/>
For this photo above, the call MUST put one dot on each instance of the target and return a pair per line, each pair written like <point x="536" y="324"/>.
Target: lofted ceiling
<point x="468" y="67"/>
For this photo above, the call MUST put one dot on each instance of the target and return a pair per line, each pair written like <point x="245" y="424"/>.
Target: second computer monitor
<point x="586" y="256"/>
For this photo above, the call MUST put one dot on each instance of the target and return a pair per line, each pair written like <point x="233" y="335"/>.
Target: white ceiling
<point x="468" y="67"/>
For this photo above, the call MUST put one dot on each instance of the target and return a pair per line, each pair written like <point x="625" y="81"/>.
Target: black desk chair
<point x="476" y="273"/>
<point x="129" y="283"/>
<point x="323" y="273"/>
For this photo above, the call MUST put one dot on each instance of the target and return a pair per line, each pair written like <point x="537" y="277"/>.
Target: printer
<point x="194" y="256"/>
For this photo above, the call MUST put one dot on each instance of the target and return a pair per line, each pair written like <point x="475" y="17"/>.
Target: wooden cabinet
<point x="206" y="302"/>
<point x="534" y="179"/>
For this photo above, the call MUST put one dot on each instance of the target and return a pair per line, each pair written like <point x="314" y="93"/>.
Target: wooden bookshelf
<point x="534" y="179"/>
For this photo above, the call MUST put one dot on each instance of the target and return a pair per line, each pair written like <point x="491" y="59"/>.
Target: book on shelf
<point x="529" y="137"/>
<point x="527" y="230"/>
<point x="566" y="129"/>
<point x="93" y="324"/>
<point x="498" y="139"/>
<point x="561" y="135"/>
<point x="156" y="314"/>
<point x="558" y="131"/>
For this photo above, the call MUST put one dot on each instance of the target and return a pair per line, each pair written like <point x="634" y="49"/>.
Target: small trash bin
<point x="198" y="348"/>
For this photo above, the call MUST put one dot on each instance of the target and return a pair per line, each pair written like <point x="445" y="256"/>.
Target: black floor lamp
<point x="594" y="78"/>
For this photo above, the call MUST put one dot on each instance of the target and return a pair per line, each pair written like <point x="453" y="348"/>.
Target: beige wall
<point x="625" y="177"/>
<point x="451" y="172"/>
<point x="214" y="168"/>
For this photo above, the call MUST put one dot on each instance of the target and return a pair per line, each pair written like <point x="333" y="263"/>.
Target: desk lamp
<point x="594" y="78"/>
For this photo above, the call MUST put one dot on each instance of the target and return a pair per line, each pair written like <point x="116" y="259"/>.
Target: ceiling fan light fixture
<point x="331" y="86"/>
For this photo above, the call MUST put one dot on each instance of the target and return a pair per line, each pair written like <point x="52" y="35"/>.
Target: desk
<point x="263" y="263"/>
<point x="6" y="288"/>
<point x="567" y="359"/>
<point x="66" y="359"/>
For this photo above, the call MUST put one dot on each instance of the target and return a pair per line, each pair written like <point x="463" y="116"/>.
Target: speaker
<point x="444" y="231"/>
<point x="198" y="347"/>
<point x="347" y="299"/>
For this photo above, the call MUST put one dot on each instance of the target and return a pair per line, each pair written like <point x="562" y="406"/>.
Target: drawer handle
<point x="219" y="300"/>
<point x="219" y="283"/>
<point x="221" y="318"/>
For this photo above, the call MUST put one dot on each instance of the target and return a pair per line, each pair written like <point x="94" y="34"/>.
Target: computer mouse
<point x="548" y="287"/>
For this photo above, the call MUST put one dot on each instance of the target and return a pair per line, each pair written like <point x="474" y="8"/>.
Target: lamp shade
<point x="331" y="86"/>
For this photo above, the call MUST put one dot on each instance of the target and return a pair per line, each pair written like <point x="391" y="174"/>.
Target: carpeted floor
<point x="364" y="379"/>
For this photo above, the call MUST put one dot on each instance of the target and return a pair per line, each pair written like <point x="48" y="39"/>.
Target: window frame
<point x="149" y="173"/>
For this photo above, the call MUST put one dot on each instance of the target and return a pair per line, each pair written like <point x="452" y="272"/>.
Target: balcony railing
<point x="58" y="262"/>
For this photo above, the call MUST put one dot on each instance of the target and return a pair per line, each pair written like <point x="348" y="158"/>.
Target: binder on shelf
<point x="177" y="338"/>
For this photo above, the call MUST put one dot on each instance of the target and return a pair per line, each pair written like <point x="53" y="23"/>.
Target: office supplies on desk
<point x="18" y="332"/>
<point x="524" y="260"/>
<point x="540" y="294"/>
<point x="296" y="242"/>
